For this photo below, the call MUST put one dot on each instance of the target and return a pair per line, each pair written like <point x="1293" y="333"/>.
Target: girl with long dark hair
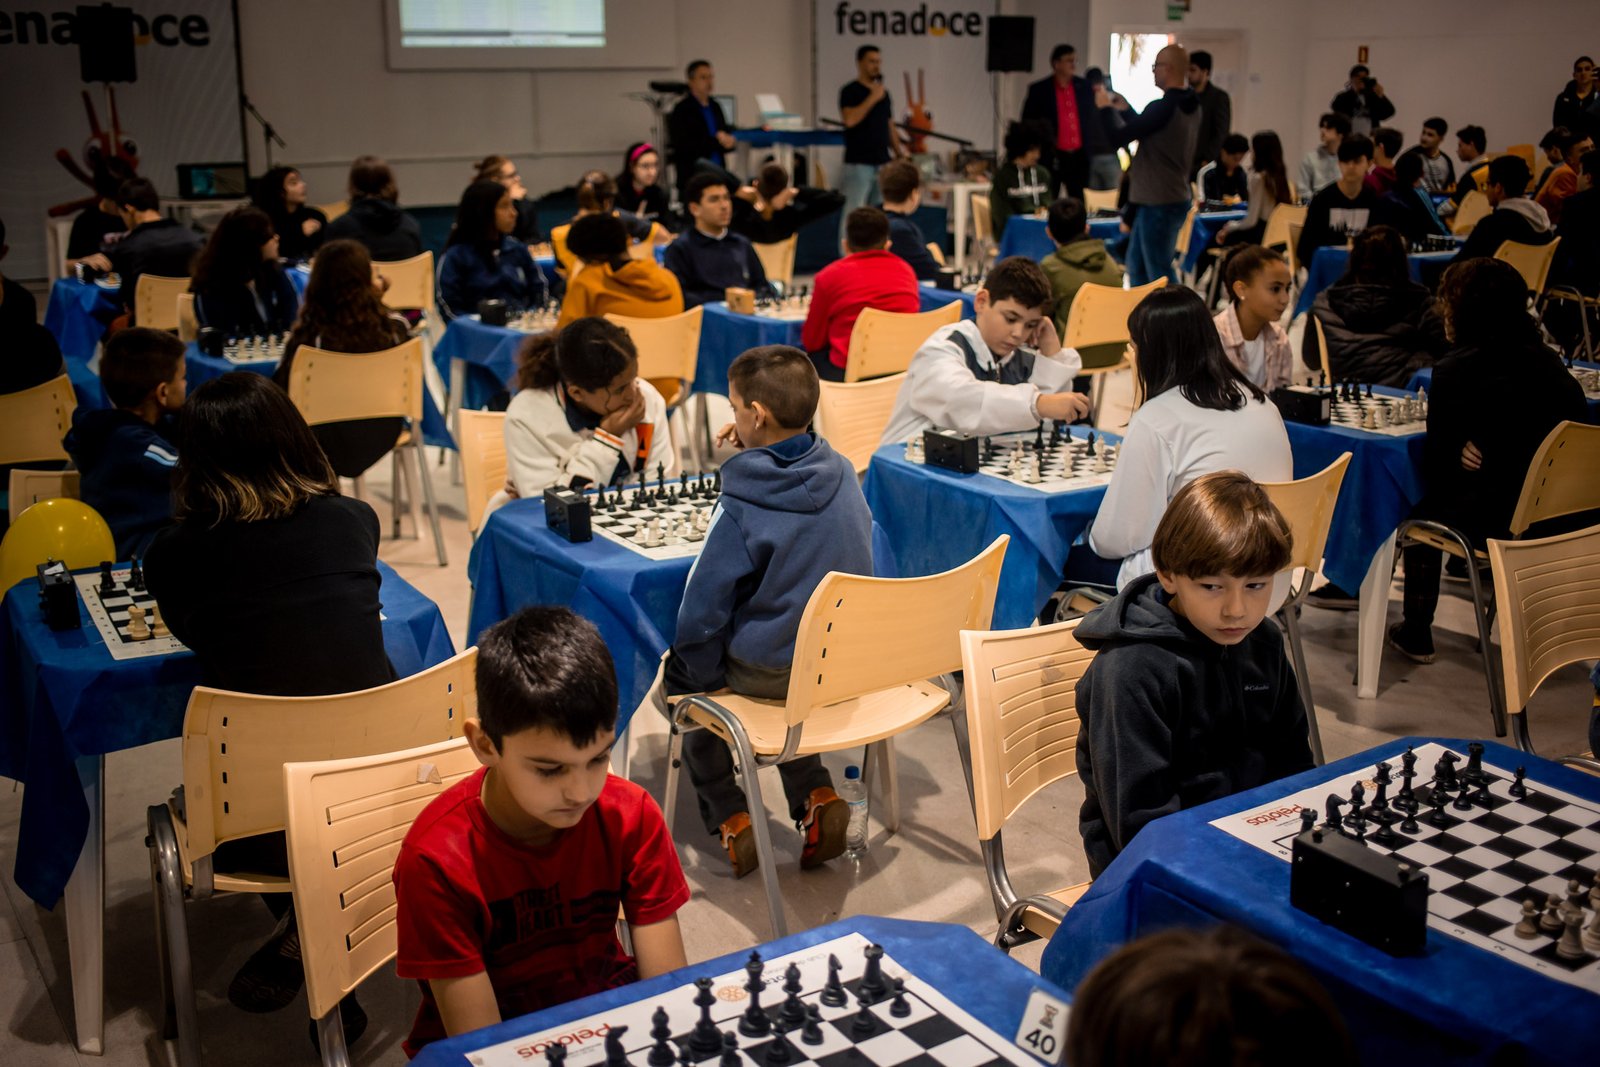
<point x="482" y="260"/>
<point x="239" y="285"/>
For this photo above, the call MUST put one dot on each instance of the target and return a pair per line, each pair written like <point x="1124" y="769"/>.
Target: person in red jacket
<point x="869" y="276"/>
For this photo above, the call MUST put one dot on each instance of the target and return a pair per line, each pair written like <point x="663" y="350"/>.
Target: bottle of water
<point x="854" y="791"/>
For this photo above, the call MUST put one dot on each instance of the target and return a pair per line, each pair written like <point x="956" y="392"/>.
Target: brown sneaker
<point x="739" y="841"/>
<point x="826" y="820"/>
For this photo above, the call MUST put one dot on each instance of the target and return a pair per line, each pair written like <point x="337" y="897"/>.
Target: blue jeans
<point x="859" y="184"/>
<point x="1153" y="242"/>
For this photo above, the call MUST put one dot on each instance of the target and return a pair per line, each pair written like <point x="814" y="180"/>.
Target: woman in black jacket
<point x="1379" y="323"/>
<point x="375" y="218"/>
<point x="281" y="193"/>
<point x="239" y="285"/>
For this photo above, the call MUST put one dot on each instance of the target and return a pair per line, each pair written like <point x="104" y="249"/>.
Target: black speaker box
<point x="105" y="43"/>
<point x="1010" y="43"/>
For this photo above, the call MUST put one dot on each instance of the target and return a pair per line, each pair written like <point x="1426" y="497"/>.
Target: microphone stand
<point x="268" y="134"/>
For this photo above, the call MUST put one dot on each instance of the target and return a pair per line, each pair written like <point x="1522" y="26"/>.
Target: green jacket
<point x="1068" y="268"/>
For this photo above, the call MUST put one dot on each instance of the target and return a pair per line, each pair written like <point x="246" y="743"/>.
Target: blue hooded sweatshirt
<point x="126" y="466"/>
<point x="789" y="514"/>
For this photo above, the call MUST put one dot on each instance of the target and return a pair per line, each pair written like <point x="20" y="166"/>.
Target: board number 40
<point x="1043" y="1033"/>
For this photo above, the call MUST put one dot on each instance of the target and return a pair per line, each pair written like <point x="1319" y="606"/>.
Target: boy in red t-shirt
<point x="869" y="276"/>
<point x="510" y="881"/>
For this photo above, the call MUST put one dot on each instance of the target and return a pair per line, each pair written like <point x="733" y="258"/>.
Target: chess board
<point x="255" y="349"/>
<point x="1065" y="462"/>
<point x="683" y="517"/>
<point x="1589" y="379"/>
<point x="1394" y="416"/>
<point x="536" y="320"/>
<point x="935" y="1033"/>
<point x="110" y="614"/>
<point x="1481" y="865"/>
<point x="794" y="307"/>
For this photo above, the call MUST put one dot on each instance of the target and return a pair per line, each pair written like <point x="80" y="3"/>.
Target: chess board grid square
<point x="1483" y="856"/>
<point x="1498" y="884"/>
<point x="1469" y="893"/>
<point x="1533" y="836"/>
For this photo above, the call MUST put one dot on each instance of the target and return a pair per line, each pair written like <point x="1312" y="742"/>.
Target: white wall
<point x="317" y="70"/>
<point x="1486" y="62"/>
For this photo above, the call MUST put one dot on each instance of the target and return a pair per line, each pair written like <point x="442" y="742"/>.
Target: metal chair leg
<point x="330" y="1039"/>
<point x="669" y="800"/>
<point x="1519" y="732"/>
<point x="1290" y="618"/>
<point x="1482" y="611"/>
<point x="169" y="1020"/>
<point x="891" y="782"/>
<point x="750" y="778"/>
<point x="432" y="504"/>
<point x="169" y="897"/>
<point x="396" y="496"/>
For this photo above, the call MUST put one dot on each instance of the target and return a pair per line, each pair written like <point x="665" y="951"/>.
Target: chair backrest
<point x="1099" y="200"/>
<point x="1474" y="206"/>
<point x="188" y="324"/>
<point x="155" y="301"/>
<point x="1322" y="345"/>
<point x="333" y="210"/>
<point x="1099" y="314"/>
<point x="982" y="224"/>
<point x="883" y="342"/>
<point x="410" y="283"/>
<point x="1277" y="230"/>
<point x="1561" y="478"/>
<point x="1184" y="234"/>
<point x="1526" y="151"/>
<point x="345" y="820"/>
<point x="777" y="259"/>
<point x="1307" y="504"/>
<point x="36" y="419"/>
<point x="1022" y="714"/>
<point x="853" y="415"/>
<point x="481" y="436"/>
<point x="936" y="252"/>
<point x="861" y="634"/>
<point x="30" y="487"/>
<point x="235" y="744"/>
<point x="1532" y="261"/>
<point x="338" y="386"/>
<point x="668" y="347"/>
<point x="1548" y="593"/>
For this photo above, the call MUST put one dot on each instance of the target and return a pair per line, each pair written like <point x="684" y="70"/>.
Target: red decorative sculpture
<point x="101" y="145"/>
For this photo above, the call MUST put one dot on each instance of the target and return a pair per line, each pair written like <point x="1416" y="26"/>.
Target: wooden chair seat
<point x="237" y="881"/>
<point x="1042" y="923"/>
<point x="850" y="723"/>
<point x="1428" y="537"/>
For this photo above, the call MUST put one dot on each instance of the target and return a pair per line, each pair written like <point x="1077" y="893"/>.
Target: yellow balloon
<point x="68" y="530"/>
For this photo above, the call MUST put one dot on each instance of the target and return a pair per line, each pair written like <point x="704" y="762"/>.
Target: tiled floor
<point x="930" y="870"/>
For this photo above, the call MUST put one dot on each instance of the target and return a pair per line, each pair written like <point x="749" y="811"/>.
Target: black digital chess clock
<point x="567" y="513"/>
<point x="58" y="596"/>
<point x="1371" y="895"/>
<point x="953" y="451"/>
<point x="1304" y="404"/>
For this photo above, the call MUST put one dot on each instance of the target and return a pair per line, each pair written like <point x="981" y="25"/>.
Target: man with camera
<point x="1363" y="101"/>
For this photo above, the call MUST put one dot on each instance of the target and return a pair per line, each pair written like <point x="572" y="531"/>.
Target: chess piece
<point x="1332" y="806"/>
<point x="108" y="584"/>
<point x="1308" y="820"/>
<point x="1438" y="799"/>
<point x="555" y="1054"/>
<point x="1550" y="922"/>
<point x="1408" y="825"/>
<point x="864" y="1022"/>
<point x="158" y="625"/>
<point x="872" y="986"/>
<point x="1594" y="893"/>
<point x="1385" y="835"/>
<point x="754" y="1021"/>
<point x="1474" y="770"/>
<point x="811" y="1032"/>
<point x="615" y="1056"/>
<point x="1444" y="771"/>
<point x="652" y="533"/>
<point x="705" y="1040"/>
<point x="899" y="1007"/>
<point x="1591" y="934"/>
<point x="730" y="1051"/>
<point x="1358" y="796"/>
<point x="1381" y="779"/>
<point x="1570" y="947"/>
<point x="661" y="1053"/>
<point x="793" y="1011"/>
<point x="1481" y="795"/>
<point x="1519" y="788"/>
<point x="779" y="1051"/>
<point x="138" y="629"/>
<point x="136" y="575"/>
<point x="1406" y="799"/>
<point x="1464" y="797"/>
<point x="1528" y="928"/>
<point x="833" y="994"/>
<point x="1576" y="894"/>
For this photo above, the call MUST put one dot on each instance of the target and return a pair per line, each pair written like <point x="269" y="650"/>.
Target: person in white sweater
<point x="1002" y="371"/>
<point x="1199" y="415"/>
<point x="582" y="416"/>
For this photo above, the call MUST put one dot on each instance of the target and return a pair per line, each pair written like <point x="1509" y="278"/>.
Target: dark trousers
<point x="826" y="369"/>
<point x="1069" y="169"/>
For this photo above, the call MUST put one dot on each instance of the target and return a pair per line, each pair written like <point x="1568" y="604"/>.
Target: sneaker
<point x="1417" y="651"/>
<point x="352" y="1017"/>
<point x="271" y="978"/>
<point x="1333" y="598"/>
<point x="739" y="842"/>
<point x="826" y="820"/>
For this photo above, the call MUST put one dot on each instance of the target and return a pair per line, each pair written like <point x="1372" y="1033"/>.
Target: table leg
<point x="1373" y="619"/>
<point x="959" y="195"/>
<point x="86" y="914"/>
<point x="783" y="153"/>
<point x="452" y="411"/>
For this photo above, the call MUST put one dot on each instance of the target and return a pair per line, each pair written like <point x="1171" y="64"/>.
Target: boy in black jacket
<point x="125" y="453"/>
<point x="1189" y="697"/>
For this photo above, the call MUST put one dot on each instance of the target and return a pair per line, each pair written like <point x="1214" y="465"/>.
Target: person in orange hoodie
<point x="610" y="282"/>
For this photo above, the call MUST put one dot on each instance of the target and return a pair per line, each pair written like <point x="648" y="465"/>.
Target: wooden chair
<point x="883" y="342"/>
<point x="1185" y="234"/>
<point x="1474" y="208"/>
<point x="1560" y="482"/>
<point x="853" y="415"/>
<point x="234" y="748"/>
<point x="1020" y="735"/>
<point x="411" y="284"/>
<point x="36" y="419"/>
<point x="340" y="386"/>
<point x="1322" y="344"/>
<point x="1586" y="303"/>
<point x="936" y="252"/>
<point x="1549" y="595"/>
<point x="1308" y="505"/>
<point x="345" y="821"/>
<point x="333" y="210"/>
<point x="1526" y="151"/>
<point x="481" y="436"/>
<point x="777" y="260"/>
<point x="27" y="488"/>
<point x="1099" y="200"/>
<point x="865" y="651"/>
<point x="982" y="226"/>
<point x="669" y="354"/>
<point x="155" y="301"/>
<point x="188" y="324"/>
<point x="1532" y="261"/>
<point x="1099" y="316"/>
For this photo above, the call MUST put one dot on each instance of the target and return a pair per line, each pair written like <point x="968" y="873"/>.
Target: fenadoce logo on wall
<point x="169" y="30"/>
<point x="912" y="22"/>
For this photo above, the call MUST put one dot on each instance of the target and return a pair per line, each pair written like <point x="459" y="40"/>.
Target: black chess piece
<point x="1308" y="819"/>
<point x="833" y="994"/>
<point x="1438" y="798"/>
<point x="872" y="985"/>
<point x="1519" y="788"/>
<point x="793" y="1011"/>
<point x="615" y="1056"/>
<point x="1474" y="770"/>
<point x="730" y="1051"/>
<point x="811" y="1032"/>
<point x="779" y="1051"/>
<point x="661" y="1053"/>
<point x="108" y="584"/>
<point x="1444" y="771"/>
<point x="899" y="1007"/>
<point x="705" y="1040"/>
<point x="1333" y="804"/>
<point x="1385" y="835"/>
<point x="1380" y="799"/>
<point x="1406" y="799"/>
<point x="1463" y="800"/>
<point x="1481" y="795"/>
<point x="1358" y="798"/>
<point x="754" y="1022"/>
<point x="1408" y="825"/>
<point x="555" y="1054"/>
<point x="136" y="575"/>
<point x="864" y="1022"/>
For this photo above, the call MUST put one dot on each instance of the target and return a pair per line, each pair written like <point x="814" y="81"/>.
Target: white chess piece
<point x="138" y="629"/>
<point x="652" y="533"/>
<point x="1368" y="422"/>
<point x="158" y="625"/>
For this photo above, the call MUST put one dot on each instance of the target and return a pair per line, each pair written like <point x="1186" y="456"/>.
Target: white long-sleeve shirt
<point x="544" y="450"/>
<point x="941" y="389"/>
<point x="1171" y="442"/>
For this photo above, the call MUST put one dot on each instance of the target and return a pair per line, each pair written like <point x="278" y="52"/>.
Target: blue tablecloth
<point x="632" y="599"/>
<point x="65" y="697"/>
<point x="203" y="368"/>
<point x="1105" y="228"/>
<point x="1423" y="379"/>
<point x="1204" y="232"/>
<point x="932" y="299"/>
<point x="1026" y="236"/>
<point x="490" y="355"/>
<point x="936" y="519"/>
<point x="1381" y="486"/>
<point x="1454" y="1004"/>
<point x="78" y="314"/>
<point x="954" y="960"/>
<point x="1328" y="265"/>
<point x="760" y="138"/>
<point x="725" y="334"/>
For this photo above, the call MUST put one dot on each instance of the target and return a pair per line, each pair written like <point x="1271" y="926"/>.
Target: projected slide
<point x="502" y="23"/>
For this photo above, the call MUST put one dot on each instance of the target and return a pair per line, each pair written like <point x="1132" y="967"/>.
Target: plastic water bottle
<point x="854" y="791"/>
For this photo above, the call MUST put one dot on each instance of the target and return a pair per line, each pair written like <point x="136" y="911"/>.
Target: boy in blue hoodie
<point x="1190" y="696"/>
<point x="791" y="511"/>
<point x="125" y="453"/>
